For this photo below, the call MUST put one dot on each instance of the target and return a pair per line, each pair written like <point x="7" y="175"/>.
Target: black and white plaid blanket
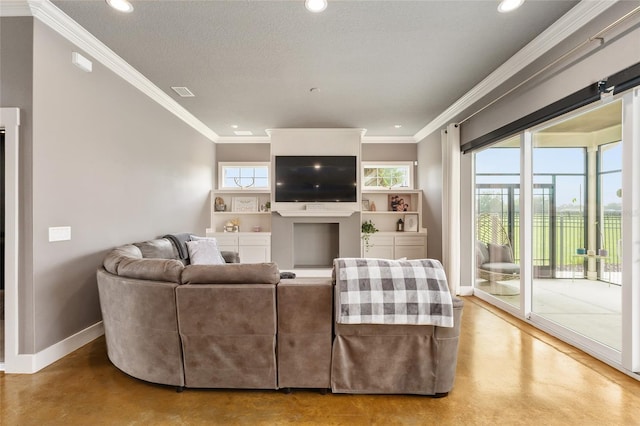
<point x="381" y="291"/>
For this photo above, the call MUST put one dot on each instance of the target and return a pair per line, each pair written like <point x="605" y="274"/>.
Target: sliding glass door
<point x="572" y="285"/>
<point x="575" y="220"/>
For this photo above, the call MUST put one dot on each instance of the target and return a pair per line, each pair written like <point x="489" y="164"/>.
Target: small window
<point x="243" y="176"/>
<point x="385" y="175"/>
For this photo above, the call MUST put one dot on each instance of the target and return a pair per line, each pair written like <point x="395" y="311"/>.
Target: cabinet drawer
<point x="406" y="240"/>
<point x="411" y="252"/>
<point x="226" y="239"/>
<point x="255" y="240"/>
<point x="381" y="240"/>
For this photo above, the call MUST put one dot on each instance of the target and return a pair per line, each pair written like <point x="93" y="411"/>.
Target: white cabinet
<point x="380" y="247"/>
<point x="383" y="213"/>
<point x="411" y="246"/>
<point x="396" y="245"/>
<point x="252" y="247"/>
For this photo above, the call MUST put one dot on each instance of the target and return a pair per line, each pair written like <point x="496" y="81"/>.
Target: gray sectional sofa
<point x="239" y="326"/>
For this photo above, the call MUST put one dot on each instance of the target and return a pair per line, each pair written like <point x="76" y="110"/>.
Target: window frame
<point x="388" y="164"/>
<point x="222" y="165"/>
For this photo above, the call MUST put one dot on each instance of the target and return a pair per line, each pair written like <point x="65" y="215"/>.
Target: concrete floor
<point x="589" y="307"/>
<point x="509" y="373"/>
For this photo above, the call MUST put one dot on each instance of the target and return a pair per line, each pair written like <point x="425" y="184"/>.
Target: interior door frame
<point x="10" y="121"/>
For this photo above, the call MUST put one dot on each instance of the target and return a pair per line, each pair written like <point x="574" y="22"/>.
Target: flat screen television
<point x="315" y="178"/>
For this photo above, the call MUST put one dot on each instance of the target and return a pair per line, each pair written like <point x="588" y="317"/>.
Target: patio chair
<point x="494" y="253"/>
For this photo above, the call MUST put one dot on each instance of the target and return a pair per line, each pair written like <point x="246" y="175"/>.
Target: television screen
<point x="316" y="178"/>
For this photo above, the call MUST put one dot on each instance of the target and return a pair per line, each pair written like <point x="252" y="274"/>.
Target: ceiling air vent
<point x="183" y="91"/>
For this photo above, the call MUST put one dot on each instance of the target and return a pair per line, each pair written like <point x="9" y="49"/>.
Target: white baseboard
<point x="465" y="290"/>
<point x="32" y="363"/>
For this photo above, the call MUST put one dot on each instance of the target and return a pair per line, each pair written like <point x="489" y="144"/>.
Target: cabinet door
<point x="411" y="252"/>
<point x="380" y="247"/>
<point x="378" y="251"/>
<point x="254" y="254"/>
<point x="226" y="241"/>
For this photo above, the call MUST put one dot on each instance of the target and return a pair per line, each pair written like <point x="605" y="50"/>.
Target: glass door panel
<point x="576" y="213"/>
<point x="497" y="202"/>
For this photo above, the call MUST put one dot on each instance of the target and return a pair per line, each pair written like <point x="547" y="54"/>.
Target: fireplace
<point x="312" y="242"/>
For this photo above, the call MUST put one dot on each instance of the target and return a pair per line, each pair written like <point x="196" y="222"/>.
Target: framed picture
<point x="245" y="204"/>
<point x="365" y="205"/>
<point x="399" y="203"/>
<point x="411" y="223"/>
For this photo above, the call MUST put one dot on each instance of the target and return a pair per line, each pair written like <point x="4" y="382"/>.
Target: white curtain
<point x="451" y="205"/>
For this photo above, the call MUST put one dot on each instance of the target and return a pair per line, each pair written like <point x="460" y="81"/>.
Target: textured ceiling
<point x="375" y="64"/>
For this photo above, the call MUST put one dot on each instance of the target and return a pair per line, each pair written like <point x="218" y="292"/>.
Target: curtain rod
<point x="597" y="36"/>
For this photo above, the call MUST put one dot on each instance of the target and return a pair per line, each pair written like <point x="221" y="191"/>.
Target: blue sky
<point x="553" y="161"/>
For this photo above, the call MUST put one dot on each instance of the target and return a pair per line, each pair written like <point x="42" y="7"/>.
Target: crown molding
<point x="388" y="139"/>
<point x="267" y="139"/>
<point x="572" y="21"/>
<point x="361" y="131"/>
<point x="14" y="8"/>
<point x="54" y="18"/>
<point x="243" y="139"/>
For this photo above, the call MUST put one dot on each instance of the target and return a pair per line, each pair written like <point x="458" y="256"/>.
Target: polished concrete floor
<point x="509" y="373"/>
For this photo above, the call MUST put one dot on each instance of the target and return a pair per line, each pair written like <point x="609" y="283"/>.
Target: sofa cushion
<point x="482" y="253"/>
<point x="502" y="267"/>
<point x="204" y="252"/>
<point x="499" y="253"/>
<point x="151" y="269"/>
<point x="160" y="248"/>
<point x="115" y="256"/>
<point x="232" y="273"/>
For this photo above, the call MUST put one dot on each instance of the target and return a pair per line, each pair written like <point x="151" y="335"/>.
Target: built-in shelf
<point x="315" y="213"/>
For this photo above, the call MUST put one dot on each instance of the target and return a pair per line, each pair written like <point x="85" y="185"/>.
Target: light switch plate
<point x="59" y="233"/>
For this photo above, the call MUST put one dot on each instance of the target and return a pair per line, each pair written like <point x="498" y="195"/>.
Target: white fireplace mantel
<point x="315" y="213"/>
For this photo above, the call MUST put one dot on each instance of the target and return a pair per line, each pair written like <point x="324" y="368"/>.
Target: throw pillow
<point x="204" y="252"/>
<point x="196" y="238"/>
<point x="482" y="253"/>
<point x="500" y="253"/>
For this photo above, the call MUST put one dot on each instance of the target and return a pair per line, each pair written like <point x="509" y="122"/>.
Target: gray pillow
<point x="160" y="248"/>
<point x="499" y="253"/>
<point x="482" y="253"/>
<point x="204" y="252"/>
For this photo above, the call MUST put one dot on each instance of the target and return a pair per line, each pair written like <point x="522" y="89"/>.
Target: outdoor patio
<point x="589" y="307"/>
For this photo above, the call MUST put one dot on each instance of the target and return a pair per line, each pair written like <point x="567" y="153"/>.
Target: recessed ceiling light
<point x="243" y="133"/>
<point x="183" y="91"/>
<point x="121" y="5"/>
<point x="315" y="6"/>
<point x="509" y="5"/>
<point x="234" y="126"/>
<point x="397" y="126"/>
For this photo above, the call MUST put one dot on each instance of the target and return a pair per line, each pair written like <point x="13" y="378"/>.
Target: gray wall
<point x="243" y="152"/>
<point x="107" y="161"/>
<point x="389" y="152"/>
